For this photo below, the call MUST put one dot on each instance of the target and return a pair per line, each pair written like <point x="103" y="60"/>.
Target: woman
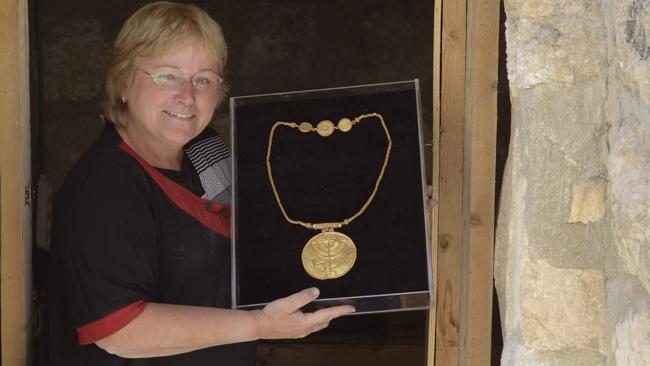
<point x="140" y="271"/>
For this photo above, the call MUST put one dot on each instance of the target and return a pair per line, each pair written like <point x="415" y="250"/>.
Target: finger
<point x="431" y="203"/>
<point x="327" y="314"/>
<point x="429" y="190"/>
<point x="319" y="326"/>
<point x="299" y="299"/>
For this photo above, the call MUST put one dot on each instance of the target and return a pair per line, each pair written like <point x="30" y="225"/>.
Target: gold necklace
<point x="329" y="254"/>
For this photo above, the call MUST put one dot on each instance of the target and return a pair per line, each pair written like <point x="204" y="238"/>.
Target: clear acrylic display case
<point x="329" y="179"/>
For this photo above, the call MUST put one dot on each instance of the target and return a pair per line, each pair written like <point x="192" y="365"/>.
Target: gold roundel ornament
<point x="344" y="125"/>
<point x="305" y="127"/>
<point x="329" y="255"/>
<point x="325" y="128"/>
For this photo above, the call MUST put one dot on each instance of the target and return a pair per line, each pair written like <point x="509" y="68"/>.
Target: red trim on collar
<point x="211" y="214"/>
<point x="111" y="323"/>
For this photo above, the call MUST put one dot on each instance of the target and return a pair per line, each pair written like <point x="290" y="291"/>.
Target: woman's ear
<point x="124" y="93"/>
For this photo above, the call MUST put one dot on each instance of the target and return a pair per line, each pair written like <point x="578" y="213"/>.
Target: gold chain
<point x="326" y="128"/>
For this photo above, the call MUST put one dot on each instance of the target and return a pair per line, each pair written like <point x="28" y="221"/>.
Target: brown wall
<point x="274" y="46"/>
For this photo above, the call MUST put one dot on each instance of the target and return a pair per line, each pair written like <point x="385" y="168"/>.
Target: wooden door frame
<point x="465" y="76"/>
<point x="15" y="191"/>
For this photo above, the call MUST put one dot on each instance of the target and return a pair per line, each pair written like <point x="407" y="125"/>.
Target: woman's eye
<point x="165" y="78"/>
<point x="202" y="81"/>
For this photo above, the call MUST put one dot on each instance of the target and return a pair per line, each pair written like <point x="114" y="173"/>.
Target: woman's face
<point x="169" y="118"/>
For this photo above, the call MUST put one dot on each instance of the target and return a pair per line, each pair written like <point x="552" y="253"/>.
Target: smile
<point x="180" y="116"/>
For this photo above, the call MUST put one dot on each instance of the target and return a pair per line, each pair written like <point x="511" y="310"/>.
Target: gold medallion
<point x="325" y="128"/>
<point x="329" y="255"/>
<point x="345" y="125"/>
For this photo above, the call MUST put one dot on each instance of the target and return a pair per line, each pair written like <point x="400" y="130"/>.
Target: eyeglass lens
<point x="202" y="81"/>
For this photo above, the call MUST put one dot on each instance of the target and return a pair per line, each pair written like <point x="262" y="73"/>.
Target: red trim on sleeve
<point x="111" y="323"/>
<point x="208" y="213"/>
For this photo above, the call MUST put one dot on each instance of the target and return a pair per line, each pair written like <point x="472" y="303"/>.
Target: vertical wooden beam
<point x="452" y="111"/>
<point x="15" y="214"/>
<point x="482" y="57"/>
<point x="435" y="174"/>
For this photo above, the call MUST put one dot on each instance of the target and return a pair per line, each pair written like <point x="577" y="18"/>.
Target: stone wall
<point x="572" y="261"/>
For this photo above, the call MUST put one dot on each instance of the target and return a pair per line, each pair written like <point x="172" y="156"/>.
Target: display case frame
<point x="399" y="275"/>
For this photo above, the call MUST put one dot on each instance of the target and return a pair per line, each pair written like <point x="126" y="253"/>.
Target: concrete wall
<point x="572" y="262"/>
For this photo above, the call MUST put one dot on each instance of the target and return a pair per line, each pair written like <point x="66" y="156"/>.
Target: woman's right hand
<point x="283" y="318"/>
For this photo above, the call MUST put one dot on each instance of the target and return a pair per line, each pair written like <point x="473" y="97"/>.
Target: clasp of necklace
<point x="327" y="226"/>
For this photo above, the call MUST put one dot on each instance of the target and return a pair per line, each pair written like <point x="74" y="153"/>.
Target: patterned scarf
<point x="211" y="158"/>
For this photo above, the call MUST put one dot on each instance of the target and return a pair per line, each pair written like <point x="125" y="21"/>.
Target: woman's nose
<point x="185" y="93"/>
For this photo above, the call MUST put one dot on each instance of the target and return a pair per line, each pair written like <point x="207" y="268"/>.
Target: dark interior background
<point x="274" y="46"/>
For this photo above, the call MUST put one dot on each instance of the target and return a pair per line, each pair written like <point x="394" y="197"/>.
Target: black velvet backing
<point x="326" y="180"/>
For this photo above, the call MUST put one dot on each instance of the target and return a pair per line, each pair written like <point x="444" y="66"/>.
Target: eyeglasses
<point x="169" y="79"/>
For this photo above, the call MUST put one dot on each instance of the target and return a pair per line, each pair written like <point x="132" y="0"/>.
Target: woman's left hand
<point x="283" y="318"/>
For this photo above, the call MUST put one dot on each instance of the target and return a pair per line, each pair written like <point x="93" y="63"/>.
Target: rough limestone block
<point x="588" y="201"/>
<point x="511" y="241"/>
<point x="629" y="194"/>
<point x="632" y="32"/>
<point x="631" y="340"/>
<point x="553" y="41"/>
<point x="563" y="141"/>
<point x="519" y="355"/>
<point x="580" y="87"/>
<point x="562" y="308"/>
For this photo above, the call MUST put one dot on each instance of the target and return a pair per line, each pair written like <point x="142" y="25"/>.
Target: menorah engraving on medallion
<point x="329" y="255"/>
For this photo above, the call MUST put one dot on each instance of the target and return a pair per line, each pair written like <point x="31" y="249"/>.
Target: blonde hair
<point x="151" y="31"/>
